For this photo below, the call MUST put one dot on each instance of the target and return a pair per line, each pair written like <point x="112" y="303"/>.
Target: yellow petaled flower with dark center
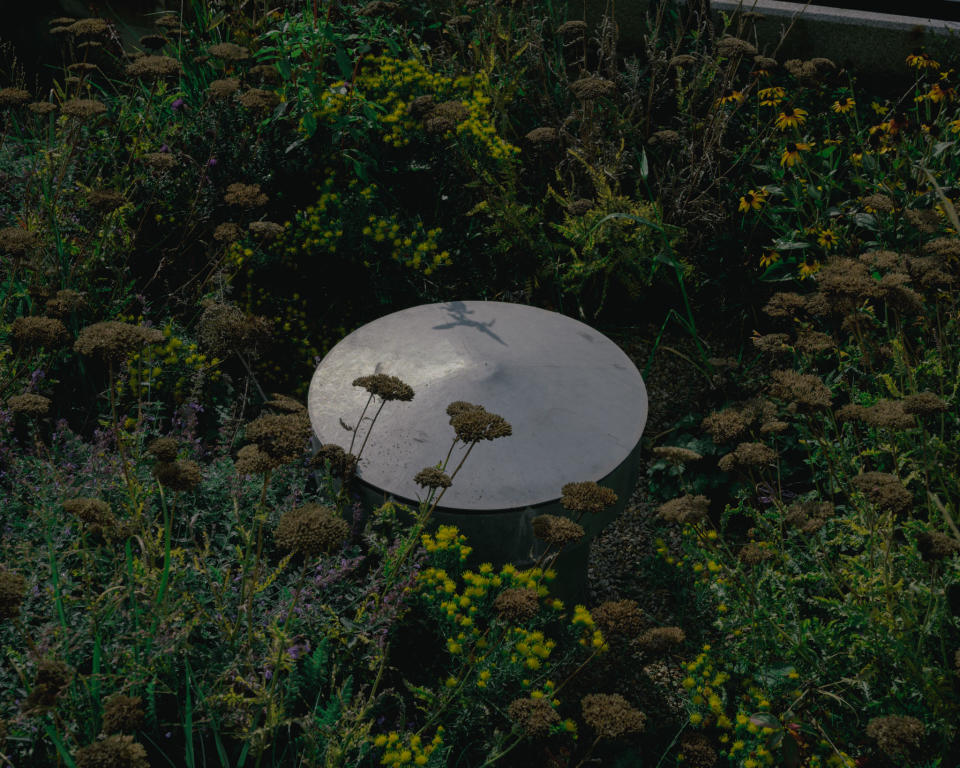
<point x="771" y="97"/>
<point x="791" y="117"/>
<point x="729" y="96"/>
<point x="843" y="105"/>
<point x="827" y="238"/>
<point x="922" y="61"/>
<point x="807" y="269"/>
<point x="791" y="153"/>
<point x="937" y="93"/>
<point x="752" y="200"/>
<point x="769" y="258"/>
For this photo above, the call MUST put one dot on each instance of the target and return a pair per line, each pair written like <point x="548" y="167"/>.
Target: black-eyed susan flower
<point x="752" y="200"/>
<point x="771" y="97"/>
<point x="954" y="126"/>
<point x="791" y="153"/>
<point x="938" y="93"/>
<point x="843" y="105"/>
<point x="730" y="96"/>
<point x="922" y="61"/>
<point x="807" y="269"/>
<point x="769" y="258"/>
<point x="827" y="238"/>
<point x="790" y="117"/>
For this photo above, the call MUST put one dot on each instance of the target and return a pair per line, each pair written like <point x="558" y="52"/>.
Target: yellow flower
<point x="730" y="95"/>
<point x="765" y="261"/>
<point x="752" y="199"/>
<point x="827" y="238"/>
<point x="808" y="269"/>
<point x="771" y="97"/>
<point x="843" y="105"/>
<point x="791" y="153"/>
<point x="791" y="117"/>
<point x="922" y="61"/>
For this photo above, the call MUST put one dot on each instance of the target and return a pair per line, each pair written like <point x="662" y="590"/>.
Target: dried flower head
<point x="246" y="195"/>
<point x="882" y="259"/>
<point x="809" y="516"/>
<point x="221" y="89"/>
<point x="474" y="423"/>
<point x="675" y="454"/>
<point x="611" y="716"/>
<point x="113" y="340"/>
<point x="421" y="106"/>
<point x="814" y="342"/>
<point x="51" y="678"/>
<point x="944" y="247"/>
<point x="160" y="161"/>
<point x="94" y="512"/>
<point x="42" y="108"/>
<point x="13" y="588"/>
<point x="879" y="202"/>
<point x="542" y="136"/>
<point x="229" y="52"/>
<point x="117" y="751"/>
<point x="588" y="88"/>
<point x="122" y="714"/>
<point x="661" y="639"/>
<point x="747" y="455"/>
<point x="557" y="530"/>
<point x="728" y="47"/>
<point x="804" y="389"/>
<point x="571" y="30"/>
<point x="923" y="404"/>
<point x="889" y="414"/>
<point x="934" y="545"/>
<point x="765" y="62"/>
<point x="83" y="109"/>
<point x="164" y="449"/>
<point x="682" y="60"/>
<point x="104" y="199"/>
<point x="267" y="230"/>
<point x="183" y="475"/>
<point x="14" y="97"/>
<point x="342" y="463"/>
<point x="310" y="530"/>
<point x="725" y="425"/>
<point x="534" y="716"/>
<point x="89" y="28"/>
<point x="897" y="736"/>
<point x="170" y="21"/>
<point x="884" y="490"/>
<point x="16" y="240"/>
<point x="285" y="404"/>
<point x="754" y="554"/>
<point x="223" y="329"/>
<point x="64" y="303"/>
<point x="445" y="116"/>
<point x="282" y="436"/>
<point x="587" y="497"/>
<point x="266" y="73"/>
<point x="697" y="751"/>
<point x="228" y="232"/>
<point x="35" y="332"/>
<point x="517" y="605"/>
<point x="153" y="67"/>
<point x="618" y="618"/>
<point x="685" y="509"/>
<point x="252" y="461"/>
<point x="29" y="405"/>
<point x="925" y="221"/>
<point x="771" y="343"/>
<point x="385" y="387"/>
<point x="259" y="98"/>
<point x="665" y="137"/>
<point x="432" y="477"/>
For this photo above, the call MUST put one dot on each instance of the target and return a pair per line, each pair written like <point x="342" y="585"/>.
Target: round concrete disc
<point x="576" y="402"/>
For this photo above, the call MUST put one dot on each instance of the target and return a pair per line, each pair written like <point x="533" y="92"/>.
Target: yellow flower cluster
<point x="703" y="684"/>
<point x="447" y="539"/>
<point x="530" y="648"/>
<point x="592" y="636"/>
<point x="172" y="363"/>
<point x="406" y="749"/>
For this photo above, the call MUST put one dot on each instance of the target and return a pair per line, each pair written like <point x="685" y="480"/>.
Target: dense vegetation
<point x="186" y="224"/>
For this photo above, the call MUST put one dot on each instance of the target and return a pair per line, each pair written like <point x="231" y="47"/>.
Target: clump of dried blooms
<point x="153" y="41"/>
<point x="170" y="21"/>
<point x="771" y="343"/>
<point x="888" y="414"/>
<point x="882" y="259"/>
<point x="117" y="751"/>
<point x="252" y="461"/>
<point x="268" y="230"/>
<point x="542" y="136"/>
<point x="266" y="73"/>
<point x="285" y="404"/>
<point x="104" y="199"/>
<point x="729" y="47"/>
<point x="925" y="221"/>
<point x="445" y="116"/>
<point x="281" y="436"/>
<point x="258" y="98"/>
<point x="784" y="304"/>
<point x="894" y="290"/>
<point x="51" y="678"/>
<point x="587" y="497"/>
<point x="153" y="66"/>
<point x="84" y="108"/>
<point x="342" y="463"/>
<point x="881" y="203"/>
<point x="245" y="195"/>
<point x="14" y="97"/>
<point x="814" y="342"/>
<point x="228" y="232"/>
<point x="183" y="475"/>
<point x="754" y="554"/>
<point x="161" y="161"/>
<point x="517" y="604"/>
<point x="113" y="340"/>
<point x="697" y="751"/>
<point x="809" y="516"/>
<point x="683" y="60"/>
<point x="945" y="247"/>
<point x="89" y="27"/>
<point x="164" y="449"/>
<point x="432" y="477"/>
<point x="94" y="512"/>
<point x="122" y="714"/>
<point x="379" y="8"/>
<point x="385" y="387"/>
<point x="29" y="405"/>
<point x="224" y="329"/>
<point x="897" y="736"/>
<point x="846" y="282"/>
<point x="580" y="207"/>
<point x="229" y="52"/>
<point x="611" y="716"/>
<point x="666" y="137"/>
<point x="934" y="545"/>
<point x="884" y="490"/>
<point x="587" y="88"/>
<point x="13" y="588"/>
<point x="16" y="240"/>
<point x="42" y="108"/>
<point x="676" y="454"/>
<point x="618" y="618"/>
<point x="685" y="509"/>
<point x="660" y="639"/>
<point x="572" y="29"/>
<point x="534" y="716"/>
<point x="923" y="404"/>
<point x="747" y="455"/>
<point x="35" y="332"/>
<point x="310" y="530"/>
<point x="725" y="425"/>
<point x="557" y="530"/>
<point x="804" y="389"/>
<point x="221" y="89"/>
<point x="473" y="423"/>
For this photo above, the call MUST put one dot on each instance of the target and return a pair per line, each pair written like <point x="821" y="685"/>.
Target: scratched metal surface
<point x="576" y="402"/>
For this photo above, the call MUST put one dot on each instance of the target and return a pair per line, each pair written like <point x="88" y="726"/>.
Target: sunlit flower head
<point x="752" y="200"/>
<point x="790" y="117"/>
<point x="807" y="269"/>
<point x="730" y="96"/>
<point x="922" y="61"/>
<point x="791" y="153"/>
<point x="843" y="105"/>
<point x="771" y="97"/>
<point x="827" y="238"/>
<point x="769" y="258"/>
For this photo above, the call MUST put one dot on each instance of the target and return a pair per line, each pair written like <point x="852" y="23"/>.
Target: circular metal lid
<point x="576" y="402"/>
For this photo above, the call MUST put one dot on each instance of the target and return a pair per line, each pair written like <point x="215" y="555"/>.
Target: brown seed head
<point x="42" y="108"/>
<point x="229" y="52"/>
<point x="728" y="47"/>
<point x="432" y="477"/>
<point x="35" y="332"/>
<point x="587" y="497"/>
<point x="246" y="195"/>
<point x="697" y="751"/>
<point x="93" y="512"/>
<point x="164" y="449"/>
<point x="747" y="455"/>
<point x="944" y="247"/>
<point x="611" y="716"/>
<point x="385" y="387"/>
<point x="725" y="425"/>
<point x="814" y="342"/>
<point x="934" y="545"/>
<point x="771" y="343"/>
<point x="474" y="424"/>
<point x="675" y="454"/>
<point x="534" y="716"/>
<point x="228" y="232"/>
<point x="252" y="461"/>
<point x="117" y="751"/>
<point x="16" y="240"/>
<point x="683" y="60"/>
<point x="259" y="99"/>
<point x="667" y="137"/>
<point x="588" y="88"/>
<point x="266" y="73"/>
<point x="342" y="464"/>
<point x="89" y="28"/>
<point x="897" y="736"/>
<point x="221" y="89"/>
<point x="266" y="230"/>
<point x="884" y="490"/>
<point x="282" y="436"/>
<point x="160" y="161"/>
<point x="310" y="530"/>
<point x="223" y="329"/>
<point x="571" y="30"/>
<point x="542" y="136"/>
<point x="29" y="405"/>
<point x="557" y="530"/>
<point x="445" y="116"/>
<point x="923" y="404"/>
<point x="51" y="678"/>
<point x="925" y="221"/>
<point x="805" y="389"/>
<point x="879" y="202"/>
<point x="113" y="340"/>
<point x="882" y="259"/>
<point x="661" y="639"/>
<point x="685" y="509"/>
<point x="618" y="618"/>
<point x="83" y="109"/>
<point x="122" y="714"/>
<point x="104" y="199"/>
<point x="517" y="605"/>
<point x="183" y="475"/>
<point x="153" y="67"/>
<point x="13" y="588"/>
<point x="754" y="554"/>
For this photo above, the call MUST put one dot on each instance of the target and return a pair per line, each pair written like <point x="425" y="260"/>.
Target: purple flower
<point x="164" y="148"/>
<point x="177" y="104"/>
<point x="212" y="162"/>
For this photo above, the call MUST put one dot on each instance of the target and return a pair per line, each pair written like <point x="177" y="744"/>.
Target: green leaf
<point x="344" y="63"/>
